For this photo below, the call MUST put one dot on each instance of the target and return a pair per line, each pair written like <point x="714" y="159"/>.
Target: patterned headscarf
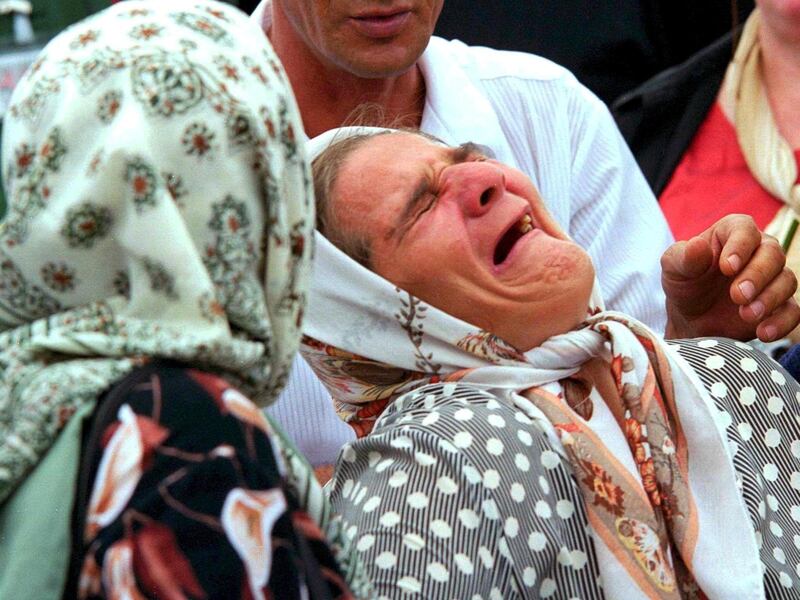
<point x="159" y="206"/>
<point x="370" y="342"/>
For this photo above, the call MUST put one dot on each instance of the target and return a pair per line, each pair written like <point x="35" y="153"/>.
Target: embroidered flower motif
<point x="227" y="68"/>
<point x="229" y="217"/>
<point x="23" y="296"/>
<point x="132" y="439"/>
<point x="86" y="224"/>
<point x="211" y="308"/>
<point x="216" y="13"/>
<point x="142" y="179"/>
<point x="270" y="126"/>
<point x="640" y="538"/>
<point x="135" y="12"/>
<point x="606" y="493"/>
<point x="240" y="131"/>
<point x="109" y="105"/>
<point x="59" y="276"/>
<point x="200" y="25"/>
<point x="197" y="139"/>
<point x="146" y="31"/>
<point x="161" y="280"/>
<point x="288" y="137"/>
<point x="175" y="186"/>
<point x="24" y="156"/>
<point x="166" y="85"/>
<point x="53" y="150"/>
<point x="93" y="70"/>
<point x="122" y="284"/>
<point x="84" y="39"/>
<point x="247" y="518"/>
<point x="255" y="69"/>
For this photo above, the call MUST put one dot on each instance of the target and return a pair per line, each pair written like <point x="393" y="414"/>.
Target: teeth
<point x="525" y="224"/>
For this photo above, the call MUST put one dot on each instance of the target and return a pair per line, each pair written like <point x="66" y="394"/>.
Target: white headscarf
<point x="158" y="206"/>
<point x="370" y="341"/>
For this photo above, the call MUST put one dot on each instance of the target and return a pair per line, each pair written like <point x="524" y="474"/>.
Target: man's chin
<point x="380" y="62"/>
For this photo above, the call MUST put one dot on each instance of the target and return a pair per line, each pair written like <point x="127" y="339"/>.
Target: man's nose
<point x="476" y="186"/>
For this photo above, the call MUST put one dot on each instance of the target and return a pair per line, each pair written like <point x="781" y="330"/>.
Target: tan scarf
<point x="769" y="157"/>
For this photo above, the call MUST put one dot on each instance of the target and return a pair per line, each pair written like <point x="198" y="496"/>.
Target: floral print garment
<point x="158" y="205"/>
<point x="188" y="499"/>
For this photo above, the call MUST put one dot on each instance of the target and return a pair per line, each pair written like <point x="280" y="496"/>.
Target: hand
<point x="729" y="281"/>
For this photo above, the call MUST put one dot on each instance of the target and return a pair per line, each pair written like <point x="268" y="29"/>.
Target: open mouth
<point x="511" y="237"/>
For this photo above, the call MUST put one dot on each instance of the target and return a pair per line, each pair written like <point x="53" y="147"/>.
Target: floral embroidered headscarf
<point x="159" y="205"/>
<point x="370" y="342"/>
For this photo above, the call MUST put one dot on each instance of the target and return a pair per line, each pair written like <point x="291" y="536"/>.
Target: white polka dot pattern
<point x="496" y="516"/>
<point x="464" y="497"/>
<point x="762" y="422"/>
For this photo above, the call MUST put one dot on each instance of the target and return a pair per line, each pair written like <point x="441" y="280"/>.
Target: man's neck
<point x="328" y="96"/>
<point x="781" y="62"/>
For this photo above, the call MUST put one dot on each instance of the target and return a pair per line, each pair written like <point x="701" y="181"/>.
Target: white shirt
<point x="535" y="116"/>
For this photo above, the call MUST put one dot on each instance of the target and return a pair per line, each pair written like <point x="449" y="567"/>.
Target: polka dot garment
<point x="458" y="495"/>
<point x="759" y="410"/>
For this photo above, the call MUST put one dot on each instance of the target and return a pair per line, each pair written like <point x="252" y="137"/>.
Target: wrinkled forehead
<point x="397" y="152"/>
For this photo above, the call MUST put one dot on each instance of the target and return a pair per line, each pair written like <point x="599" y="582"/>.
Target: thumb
<point x="688" y="260"/>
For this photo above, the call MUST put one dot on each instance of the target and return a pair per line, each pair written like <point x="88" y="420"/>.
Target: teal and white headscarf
<point x="158" y="206"/>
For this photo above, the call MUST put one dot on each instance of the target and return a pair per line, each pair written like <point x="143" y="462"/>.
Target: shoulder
<point x="460" y="425"/>
<point x="502" y="68"/>
<point x="488" y="63"/>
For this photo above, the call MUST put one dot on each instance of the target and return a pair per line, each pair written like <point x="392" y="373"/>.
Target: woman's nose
<point x="476" y="186"/>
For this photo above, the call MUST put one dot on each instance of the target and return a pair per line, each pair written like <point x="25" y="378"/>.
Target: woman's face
<point x="466" y="234"/>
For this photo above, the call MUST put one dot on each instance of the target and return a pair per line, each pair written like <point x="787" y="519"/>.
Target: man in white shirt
<point x="534" y="115"/>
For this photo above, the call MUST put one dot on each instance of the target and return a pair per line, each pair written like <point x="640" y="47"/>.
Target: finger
<point x="686" y="260"/>
<point x="766" y="264"/>
<point x="780" y="323"/>
<point x="779" y="291"/>
<point x="740" y="239"/>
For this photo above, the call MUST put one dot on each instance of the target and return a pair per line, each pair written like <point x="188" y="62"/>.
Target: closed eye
<point x="430" y="203"/>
